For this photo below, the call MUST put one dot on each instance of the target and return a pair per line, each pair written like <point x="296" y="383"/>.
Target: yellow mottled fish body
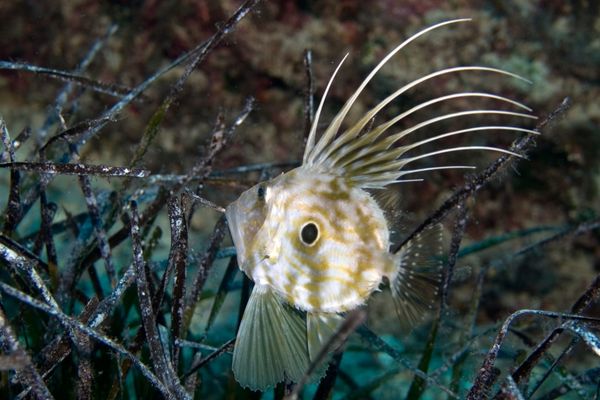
<point x="348" y="258"/>
<point x="316" y="243"/>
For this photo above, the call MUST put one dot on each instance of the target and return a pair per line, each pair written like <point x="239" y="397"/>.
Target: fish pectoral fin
<point x="271" y="342"/>
<point x="415" y="283"/>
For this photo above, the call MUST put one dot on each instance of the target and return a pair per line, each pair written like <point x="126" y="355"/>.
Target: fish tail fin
<point x="271" y="344"/>
<point x="417" y="276"/>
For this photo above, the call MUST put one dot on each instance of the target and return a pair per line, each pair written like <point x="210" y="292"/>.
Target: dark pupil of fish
<point x="309" y="233"/>
<point x="261" y="192"/>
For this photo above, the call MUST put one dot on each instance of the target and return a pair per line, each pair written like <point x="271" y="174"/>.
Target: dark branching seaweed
<point x="76" y="169"/>
<point x="17" y="359"/>
<point x="24" y="265"/>
<point x="488" y="373"/>
<point x="68" y="321"/>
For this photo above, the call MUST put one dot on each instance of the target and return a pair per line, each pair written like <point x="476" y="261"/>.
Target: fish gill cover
<point x="127" y="128"/>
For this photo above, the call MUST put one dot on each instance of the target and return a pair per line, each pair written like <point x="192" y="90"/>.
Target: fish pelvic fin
<point x="320" y="327"/>
<point x="416" y="280"/>
<point x="271" y="344"/>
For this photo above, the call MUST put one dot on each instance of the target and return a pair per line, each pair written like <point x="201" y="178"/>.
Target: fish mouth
<point x="237" y="235"/>
<point x="244" y="229"/>
<point x="251" y="263"/>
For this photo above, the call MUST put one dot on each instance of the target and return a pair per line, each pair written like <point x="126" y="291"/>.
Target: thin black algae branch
<point x="462" y="217"/>
<point x="327" y="384"/>
<point x="177" y="263"/>
<point x="54" y="116"/>
<point x="511" y="390"/>
<point x="112" y="89"/>
<point x="488" y="373"/>
<point x="162" y="365"/>
<point x="221" y="175"/>
<point x="217" y="141"/>
<point x="377" y="343"/>
<point x="224" y="348"/>
<point x="76" y="169"/>
<point x="72" y="323"/>
<point x="309" y="94"/>
<point x="204" y="202"/>
<point x="524" y="369"/>
<point x="13" y="211"/>
<point x="479" y="180"/>
<point x="418" y="385"/>
<point x="589" y="377"/>
<point x="202" y="169"/>
<point x="85" y="373"/>
<point x="74" y="131"/>
<point x="96" y="219"/>
<point x="219" y="297"/>
<point x="197" y="56"/>
<point x="20" y="361"/>
<point x="555" y="362"/>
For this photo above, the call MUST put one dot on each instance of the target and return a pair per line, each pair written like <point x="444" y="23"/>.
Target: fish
<point x="316" y="242"/>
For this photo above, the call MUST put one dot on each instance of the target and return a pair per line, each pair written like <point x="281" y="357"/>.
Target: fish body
<point x="323" y="244"/>
<point x="316" y="242"/>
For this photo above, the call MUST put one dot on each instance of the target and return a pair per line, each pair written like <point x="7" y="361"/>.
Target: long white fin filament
<point x="325" y="150"/>
<point x="488" y="128"/>
<point x="337" y="121"/>
<point x="313" y="129"/>
<point x="368" y="167"/>
<point x="336" y="151"/>
<point x="461" y="148"/>
<point x="371" y="159"/>
<point x="414" y="171"/>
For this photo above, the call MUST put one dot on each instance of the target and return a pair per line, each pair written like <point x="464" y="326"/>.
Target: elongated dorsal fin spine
<point x="337" y="156"/>
<point x="310" y="143"/>
<point x="337" y="121"/>
<point x="360" y="125"/>
<point x="372" y="159"/>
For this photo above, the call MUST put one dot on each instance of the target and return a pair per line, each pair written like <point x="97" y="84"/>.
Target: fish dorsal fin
<point x="271" y="344"/>
<point x="311" y="151"/>
<point x="372" y="159"/>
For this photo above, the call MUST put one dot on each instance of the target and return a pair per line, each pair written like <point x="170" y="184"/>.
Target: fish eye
<point x="261" y="192"/>
<point x="309" y="233"/>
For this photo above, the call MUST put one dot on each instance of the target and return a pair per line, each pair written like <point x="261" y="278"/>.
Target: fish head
<point x="255" y="221"/>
